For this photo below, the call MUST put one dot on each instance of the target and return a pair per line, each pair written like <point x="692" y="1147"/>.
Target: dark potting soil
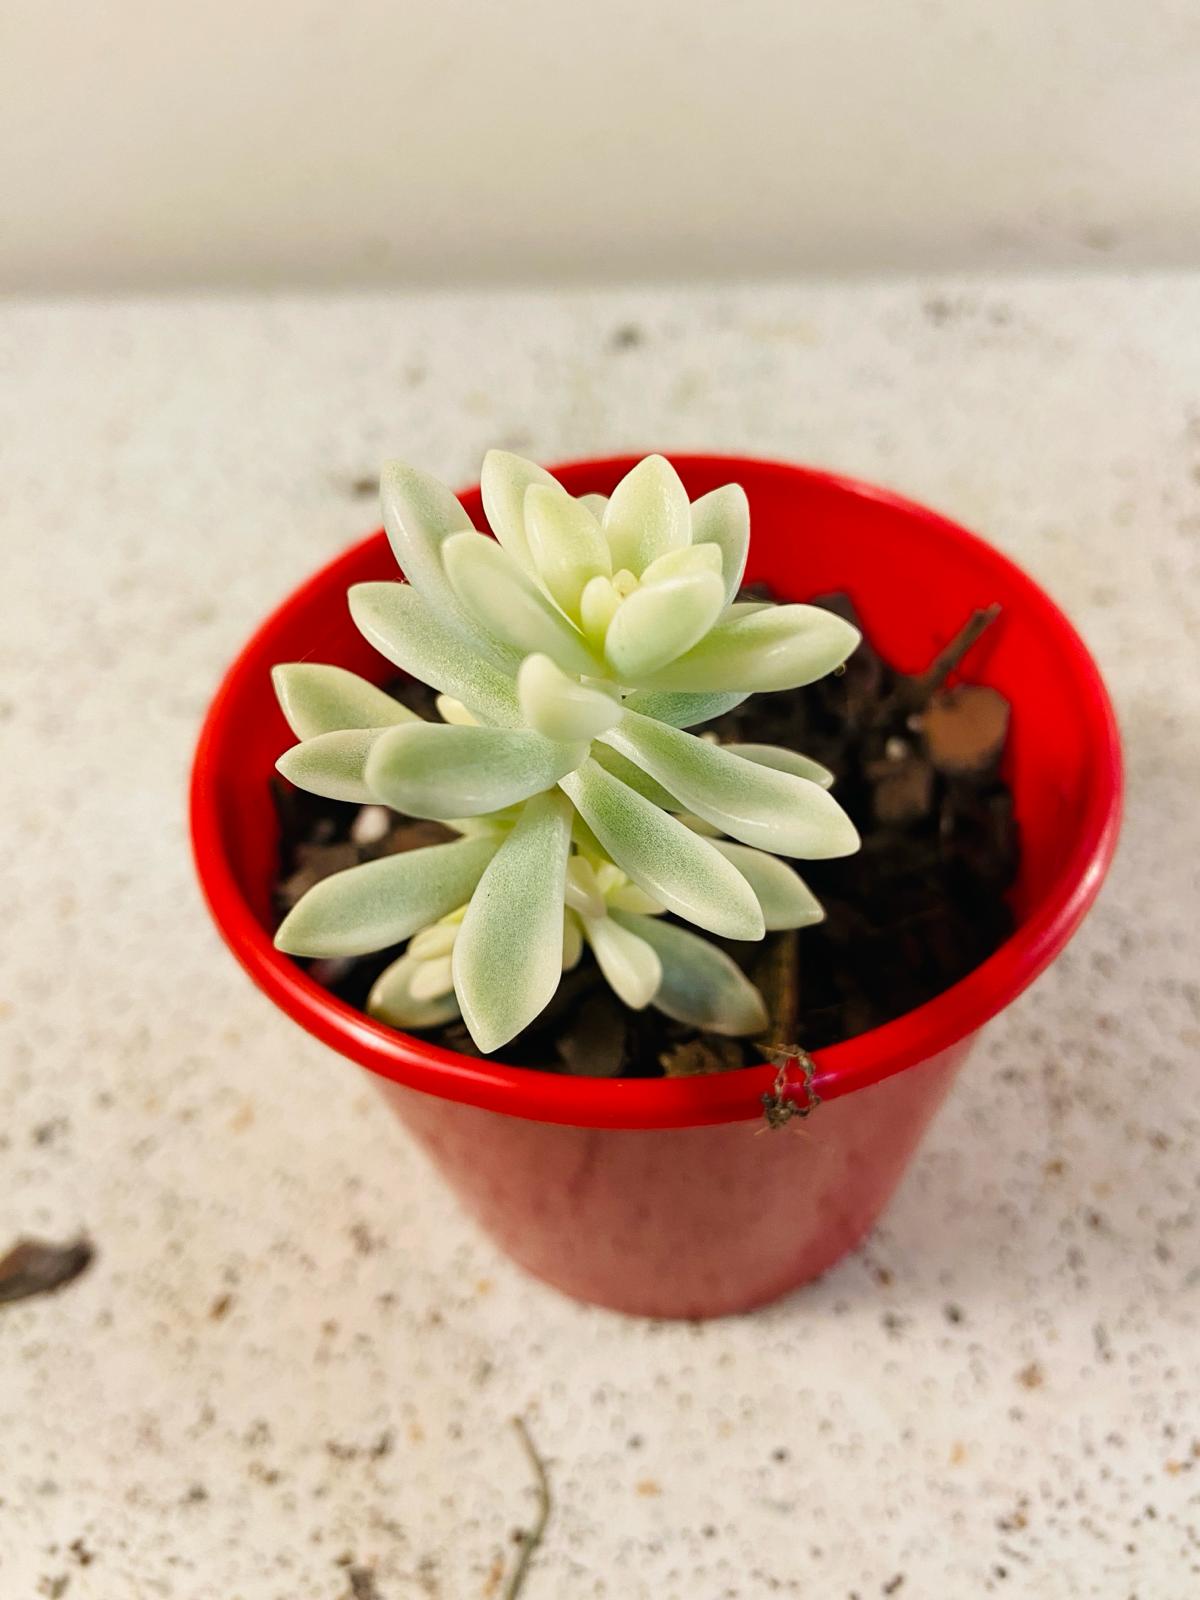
<point x="920" y="905"/>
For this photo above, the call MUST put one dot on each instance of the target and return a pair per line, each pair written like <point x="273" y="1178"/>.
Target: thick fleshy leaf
<point x="384" y="902"/>
<point x="508" y="955"/>
<point x="392" y="1000"/>
<point x="584" y="892"/>
<point x="419" y="514"/>
<point x="659" y="622"/>
<point x="676" y="867"/>
<point x="559" y="706"/>
<point x="630" y="965"/>
<point x="691" y="558"/>
<point x="572" y="941"/>
<point x="647" y="515"/>
<point x="786" y="900"/>
<point x="404" y="627"/>
<point x="700" y="984"/>
<point x="321" y="699"/>
<point x="432" y="979"/>
<point x="435" y="769"/>
<point x="565" y="542"/>
<point x="504" y="482"/>
<point x="618" y="891"/>
<point x="778" y="647"/>
<point x="597" y="607"/>
<point x="596" y="504"/>
<point x="452" y="710"/>
<point x="506" y="602"/>
<point x="761" y="806"/>
<point x="723" y="518"/>
<point x="633" y="777"/>
<point x="682" y="710"/>
<point x="783" y="760"/>
<point x="436" y="940"/>
<point x="333" y="764"/>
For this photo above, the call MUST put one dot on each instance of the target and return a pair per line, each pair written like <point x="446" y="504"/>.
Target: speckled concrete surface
<point x="288" y="1375"/>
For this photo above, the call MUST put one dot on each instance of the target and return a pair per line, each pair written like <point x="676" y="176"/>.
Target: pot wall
<point x="681" y="1222"/>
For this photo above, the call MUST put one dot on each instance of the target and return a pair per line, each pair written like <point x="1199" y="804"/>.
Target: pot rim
<point x="643" y="1103"/>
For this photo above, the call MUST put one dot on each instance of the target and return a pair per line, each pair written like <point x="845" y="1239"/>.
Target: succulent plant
<point x="571" y="654"/>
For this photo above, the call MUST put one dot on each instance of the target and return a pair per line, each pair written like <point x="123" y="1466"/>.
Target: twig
<point x="913" y="693"/>
<point x="778" y="1106"/>
<point x="34" y="1267"/>
<point x="530" y="1540"/>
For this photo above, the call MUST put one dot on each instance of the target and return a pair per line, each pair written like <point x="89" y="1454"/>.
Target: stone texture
<point x="290" y="1370"/>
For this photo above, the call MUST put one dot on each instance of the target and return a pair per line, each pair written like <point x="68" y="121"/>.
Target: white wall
<point x="148" y="142"/>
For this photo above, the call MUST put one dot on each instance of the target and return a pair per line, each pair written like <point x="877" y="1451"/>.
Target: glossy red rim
<point x="666" y="1103"/>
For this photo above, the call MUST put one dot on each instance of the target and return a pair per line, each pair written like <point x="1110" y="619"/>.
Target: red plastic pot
<point x="666" y="1197"/>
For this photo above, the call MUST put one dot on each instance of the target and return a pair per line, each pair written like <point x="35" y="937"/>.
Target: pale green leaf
<point x="559" y="706"/>
<point x="677" y="563"/>
<point x="630" y="965"/>
<point x="508" y="955"/>
<point x="633" y="777"/>
<point x="759" y="805"/>
<point x="432" y="979"/>
<point x="566" y="544"/>
<point x="783" y="760"/>
<point x="452" y="710"/>
<point x="504" y="481"/>
<point x="437" y="939"/>
<point x="658" y="623"/>
<point x="700" y="984"/>
<point x="404" y="627"/>
<point x="682" y="710"/>
<point x="437" y="769"/>
<point x="419" y="514"/>
<point x="723" y="517"/>
<point x="647" y="515"/>
<point x="628" y="897"/>
<point x="786" y="900"/>
<point x="584" y="892"/>
<point x="777" y="647"/>
<point x="321" y="699"/>
<point x="676" y="867"/>
<point x="505" y="601"/>
<point x="392" y="1000"/>
<point x="597" y="607"/>
<point x="572" y="941"/>
<point x="332" y="764"/>
<point x="383" y="902"/>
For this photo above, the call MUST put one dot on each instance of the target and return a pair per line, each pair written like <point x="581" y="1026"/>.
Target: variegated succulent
<point x="571" y="654"/>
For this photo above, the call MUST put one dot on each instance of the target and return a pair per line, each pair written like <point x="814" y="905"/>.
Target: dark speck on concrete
<point x="627" y="337"/>
<point x="362" y="1584"/>
<point x="893" y="1584"/>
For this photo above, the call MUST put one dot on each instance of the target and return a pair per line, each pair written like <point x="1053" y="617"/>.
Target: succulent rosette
<point x="572" y="653"/>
